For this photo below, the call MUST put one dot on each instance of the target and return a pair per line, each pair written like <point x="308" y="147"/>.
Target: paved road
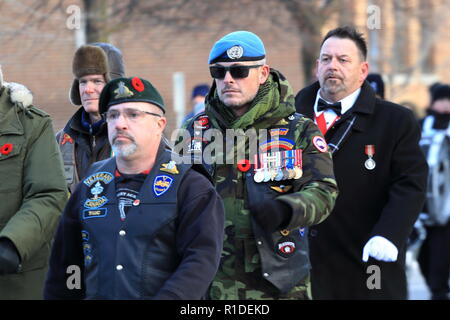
<point x="417" y="288"/>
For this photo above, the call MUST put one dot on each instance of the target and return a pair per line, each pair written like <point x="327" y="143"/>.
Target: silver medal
<point x="267" y="175"/>
<point x="370" y="164"/>
<point x="259" y="176"/>
<point x="279" y="175"/>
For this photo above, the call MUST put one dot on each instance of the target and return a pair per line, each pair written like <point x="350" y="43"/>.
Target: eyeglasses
<point x="130" y="114"/>
<point x="236" y="71"/>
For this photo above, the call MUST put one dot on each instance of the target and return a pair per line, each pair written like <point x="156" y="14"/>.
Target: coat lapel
<point x="356" y="119"/>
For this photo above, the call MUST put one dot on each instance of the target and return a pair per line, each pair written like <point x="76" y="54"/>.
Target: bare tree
<point x="301" y="19"/>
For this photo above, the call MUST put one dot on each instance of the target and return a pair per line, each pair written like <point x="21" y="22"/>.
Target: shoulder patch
<point x="161" y="184"/>
<point x="320" y="143"/>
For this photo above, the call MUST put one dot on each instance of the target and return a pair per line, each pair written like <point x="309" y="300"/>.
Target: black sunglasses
<point x="237" y="71"/>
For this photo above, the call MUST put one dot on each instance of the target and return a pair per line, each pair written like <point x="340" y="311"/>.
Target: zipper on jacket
<point x="93" y="137"/>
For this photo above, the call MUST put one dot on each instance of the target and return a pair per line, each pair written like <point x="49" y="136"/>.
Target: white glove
<point x="381" y="249"/>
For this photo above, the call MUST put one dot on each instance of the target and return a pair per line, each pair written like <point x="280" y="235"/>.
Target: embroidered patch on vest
<point x="285" y="247"/>
<point x="282" y="143"/>
<point x="97" y="183"/>
<point x="278" y="132"/>
<point x="97" y="213"/>
<point x="161" y="184"/>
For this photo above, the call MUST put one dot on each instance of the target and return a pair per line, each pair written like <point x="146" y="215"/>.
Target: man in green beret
<point x="139" y="226"/>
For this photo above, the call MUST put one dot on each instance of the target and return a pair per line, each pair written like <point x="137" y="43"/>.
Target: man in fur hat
<point x="32" y="192"/>
<point x="84" y="139"/>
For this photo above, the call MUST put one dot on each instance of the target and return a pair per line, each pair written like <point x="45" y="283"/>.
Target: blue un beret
<point x="237" y="46"/>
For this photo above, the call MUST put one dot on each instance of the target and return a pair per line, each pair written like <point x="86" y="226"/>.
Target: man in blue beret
<point x="139" y="225"/>
<point x="269" y="203"/>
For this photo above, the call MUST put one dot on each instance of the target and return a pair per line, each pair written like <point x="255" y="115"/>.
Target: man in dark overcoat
<point x="359" y="251"/>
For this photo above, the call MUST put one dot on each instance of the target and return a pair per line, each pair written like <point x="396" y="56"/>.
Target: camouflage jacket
<point x="252" y="256"/>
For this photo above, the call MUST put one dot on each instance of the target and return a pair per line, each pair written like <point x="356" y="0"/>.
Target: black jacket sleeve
<point x="408" y="184"/>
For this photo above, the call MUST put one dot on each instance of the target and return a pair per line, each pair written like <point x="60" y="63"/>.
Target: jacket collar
<point x="75" y="124"/>
<point x="363" y="108"/>
<point x="9" y="120"/>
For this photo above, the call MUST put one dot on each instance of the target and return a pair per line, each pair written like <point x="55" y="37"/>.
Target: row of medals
<point x="272" y="172"/>
<point x="266" y="174"/>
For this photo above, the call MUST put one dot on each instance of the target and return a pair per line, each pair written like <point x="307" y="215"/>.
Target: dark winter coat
<point x="80" y="148"/>
<point x="168" y="247"/>
<point x="384" y="201"/>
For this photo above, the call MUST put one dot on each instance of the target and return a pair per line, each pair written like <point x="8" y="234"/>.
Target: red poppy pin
<point x="138" y="84"/>
<point x="66" y="138"/>
<point x="6" y="149"/>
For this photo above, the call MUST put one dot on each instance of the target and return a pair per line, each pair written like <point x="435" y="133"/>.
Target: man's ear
<point x="162" y="122"/>
<point x="364" y="71"/>
<point x="265" y="71"/>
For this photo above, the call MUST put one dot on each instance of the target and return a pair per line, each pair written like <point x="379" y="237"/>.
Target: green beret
<point x="135" y="89"/>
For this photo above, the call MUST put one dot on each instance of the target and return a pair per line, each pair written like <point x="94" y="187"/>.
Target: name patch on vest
<point x="97" y="213"/>
<point x="161" y="184"/>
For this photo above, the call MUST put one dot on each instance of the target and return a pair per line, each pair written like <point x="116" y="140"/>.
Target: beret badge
<point x="235" y="52"/>
<point x="122" y="91"/>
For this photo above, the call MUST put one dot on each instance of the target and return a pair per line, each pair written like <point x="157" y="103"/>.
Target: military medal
<point x="370" y="151"/>
<point x="259" y="175"/>
<point x="266" y="169"/>
<point x="271" y="159"/>
<point x="298" y="164"/>
<point x="267" y="175"/>
<point x="290" y="164"/>
<point x="279" y="175"/>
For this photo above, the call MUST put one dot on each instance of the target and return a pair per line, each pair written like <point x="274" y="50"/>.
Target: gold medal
<point x="291" y="173"/>
<point x="273" y="174"/>
<point x="298" y="173"/>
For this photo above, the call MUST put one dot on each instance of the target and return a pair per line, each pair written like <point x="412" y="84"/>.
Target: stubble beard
<point x="124" y="150"/>
<point x="331" y="88"/>
<point x="239" y="107"/>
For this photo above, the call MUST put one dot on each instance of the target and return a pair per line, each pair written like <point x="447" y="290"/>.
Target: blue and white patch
<point x="161" y="184"/>
<point x="97" y="213"/>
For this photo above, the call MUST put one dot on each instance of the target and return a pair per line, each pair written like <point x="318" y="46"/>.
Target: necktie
<point x="322" y="105"/>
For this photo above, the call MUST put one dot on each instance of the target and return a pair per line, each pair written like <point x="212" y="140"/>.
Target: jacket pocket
<point x="11" y="162"/>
